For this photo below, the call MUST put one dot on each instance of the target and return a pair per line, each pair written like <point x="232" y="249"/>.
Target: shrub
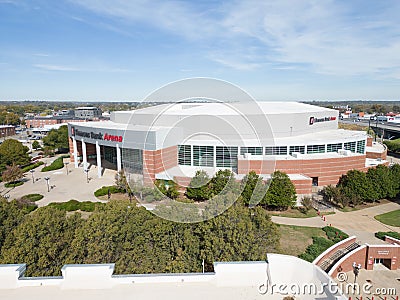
<point x="104" y="190"/>
<point x="381" y="235"/>
<point x="32" y="166"/>
<point x="74" y="205"/>
<point x="33" y="197"/>
<point x="334" y="234"/>
<point x="318" y="246"/>
<point x="13" y="184"/>
<point x="55" y="165"/>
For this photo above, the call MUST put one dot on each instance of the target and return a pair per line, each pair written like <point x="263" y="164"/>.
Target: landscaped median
<point x="74" y="205"/>
<point x="55" y="165"/>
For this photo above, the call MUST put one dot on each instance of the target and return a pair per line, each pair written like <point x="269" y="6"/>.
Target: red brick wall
<point x="334" y="248"/>
<point x="392" y="241"/>
<point x="303" y="186"/>
<point x="32" y="123"/>
<point x="71" y="149"/>
<point x="384" y="253"/>
<point x="158" y="161"/>
<point x="328" y="170"/>
<point x="358" y="256"/>
<point x="375" y="155"/>
<point x="7" y="131"/>
<point x="369" y="141"/>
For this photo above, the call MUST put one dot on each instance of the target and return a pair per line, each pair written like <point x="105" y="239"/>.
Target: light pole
<point x="33" y="178"/>
<point x="66" y="166"/>
<point x="47" y="181"/>
<point x="356" y="270"/>
<point x="87" y="175"/>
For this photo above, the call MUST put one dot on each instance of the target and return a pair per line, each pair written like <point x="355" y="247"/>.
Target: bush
<point x="55" y="165"/>
<point x="104" y="190"/>
<point x="318" y="246"/>
<point x="13" y="184"/>
<point x="32" y="166"/>
<point x="381" y="235"/>
<point x="32" y="197"/>
<point x="334" y="234"/>
<point x="74" y="205"/>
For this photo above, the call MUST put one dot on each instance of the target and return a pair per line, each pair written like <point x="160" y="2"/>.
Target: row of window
<point x="227" y="156"/>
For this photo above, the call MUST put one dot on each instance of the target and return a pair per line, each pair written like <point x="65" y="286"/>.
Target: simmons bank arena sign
<point x="96" y="136"/>
<point x="314" y="120"/>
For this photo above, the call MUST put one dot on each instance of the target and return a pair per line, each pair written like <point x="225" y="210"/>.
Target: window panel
<point x="300" y="149"/>
<point x="185" y="155"/>
<point x="203" y="156"/>
<point x="315" y="149"/>
<point x="333" y="147"/>
<point x="276" y="150"/>
<point x="251" y="150"/>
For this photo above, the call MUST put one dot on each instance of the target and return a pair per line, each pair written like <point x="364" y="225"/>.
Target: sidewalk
<point x="360" y="223"/>
<point x="63" y="187"/>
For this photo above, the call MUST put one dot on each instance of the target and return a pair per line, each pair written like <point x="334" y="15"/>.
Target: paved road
<point x="360" y="223"/>
<point x="63" y="187"/>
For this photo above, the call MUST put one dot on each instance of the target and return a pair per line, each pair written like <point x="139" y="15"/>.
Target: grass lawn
<point x="295" y="239"/>
<point x="391" y="218"/>
<point x="295" y="213"/>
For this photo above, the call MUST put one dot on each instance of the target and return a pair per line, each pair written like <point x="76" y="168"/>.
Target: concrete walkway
<point x="63" y="187"/>
<point x="360" y="223"/>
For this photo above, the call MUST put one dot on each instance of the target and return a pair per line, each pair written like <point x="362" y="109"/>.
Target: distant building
<point x="6" y="130"/>
<point x="88" y="112"/>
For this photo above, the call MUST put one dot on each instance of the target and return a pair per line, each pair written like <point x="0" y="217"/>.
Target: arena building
<point x="172" y="141"/>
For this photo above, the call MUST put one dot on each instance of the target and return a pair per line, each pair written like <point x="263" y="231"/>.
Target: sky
<point x="120" y="50"/>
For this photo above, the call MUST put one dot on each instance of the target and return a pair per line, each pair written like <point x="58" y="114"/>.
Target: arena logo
<point x="96" y="136"/>
<point x="314" y="120"/>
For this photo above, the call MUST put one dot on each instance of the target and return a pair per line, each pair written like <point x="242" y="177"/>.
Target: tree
<point x="306" y="203"/>
<point x="35" y="145"/>
<point x="57" y="138"/>
<point x="281" y="193"/>
<point x="42" y="241"/>
<point x="395" y="177"/>
<point x="122" y="183"/>
<point x="222" y="182"/>
<point x="198" y="188"/>
<point x="253" y="189"/>
<point x="356" y="188"/>
<point x="381" y="182"/>
<point x="12" y="173"/>
<point x="12" y="151"/>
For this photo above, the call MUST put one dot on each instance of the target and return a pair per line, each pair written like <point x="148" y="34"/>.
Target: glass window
<point x="300" y="149"/>
<point x="227" y="157"/>
<point x="315" y="149"/>
<point x="361" y="147"/>
<point x="350" y="146"/>
<point x="132" y="160"/>
<point x="185" y="155"/>
<point x="251" y="150"/>
<point x="333" y="147"/>
<point x="203" y="156"/>
<point x="276" y="150"/>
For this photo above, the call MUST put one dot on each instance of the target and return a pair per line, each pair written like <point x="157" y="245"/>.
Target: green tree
<point x="382" y="182"/>
<point x="395" y="177"/>
<point x="198" y="188"/>
<point x="222" y="182"/>
<point x="281" y="193"/>
<point x="35" y="145"/>
<point x="11" y="214"/>
<point x="57" y="138"/>
<point x="12" y="151"/>
<point x="355" y="187"/>
<point x="253" y="189"/>
<point x="12" y="173"/>
<point x="42" y="241"/>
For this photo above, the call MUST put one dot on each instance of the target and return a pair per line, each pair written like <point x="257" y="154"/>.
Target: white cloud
<point x="328" y="37"/>
<point x="56" y="68"/>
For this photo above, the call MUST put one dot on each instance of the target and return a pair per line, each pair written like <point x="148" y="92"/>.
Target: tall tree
<point x="382" y="182"/>
<point x="42" y="241"/>
<point x="198" y="188"/>
<point x="12" y="151"/>
<point x="223" y="182"/>
<point x="57" y="138"/>
<point x="253" y="189"/>
<point x="281" y="193"/>
<point x="356" y="187"/>
<point x="12" y="173"/>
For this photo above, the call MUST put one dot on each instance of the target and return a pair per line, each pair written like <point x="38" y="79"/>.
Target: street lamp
<point x="66" y="166"/>
<point x="33" y="178"/>
<point x="356" y="270"/>
<point x="87" y="175"/>
<point x="47" y="181"/>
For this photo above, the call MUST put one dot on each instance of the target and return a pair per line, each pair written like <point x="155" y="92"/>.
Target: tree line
<point x="356" y="187"/>
<point x="136" y="240"/>
<point x="277" y="192"/>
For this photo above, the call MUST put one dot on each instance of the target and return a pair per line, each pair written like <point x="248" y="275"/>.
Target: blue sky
<point x="275" y="50"/>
